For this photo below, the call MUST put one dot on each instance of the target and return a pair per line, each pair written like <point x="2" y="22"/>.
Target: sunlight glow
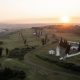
<point x="65" y="19"/>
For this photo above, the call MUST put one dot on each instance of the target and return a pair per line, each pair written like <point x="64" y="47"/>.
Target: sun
<point x="65" y="19"/>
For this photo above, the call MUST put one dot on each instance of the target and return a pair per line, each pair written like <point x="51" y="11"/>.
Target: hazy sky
<point x="28" y="9"/>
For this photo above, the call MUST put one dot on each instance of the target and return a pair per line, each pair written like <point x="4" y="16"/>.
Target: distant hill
<point x="21" y="25"/>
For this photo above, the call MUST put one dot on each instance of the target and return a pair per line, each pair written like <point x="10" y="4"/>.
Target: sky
<point x="32" y="11"/>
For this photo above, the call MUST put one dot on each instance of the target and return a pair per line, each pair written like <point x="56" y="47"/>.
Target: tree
<point x="65" y="44"/>
<point x="43" y="41"/>
<point x="1" y="49"/>
<point x="61" y="42"/>
<point x="46" y="38"/>
<point x="24" y="40"/>
<point x="79" y="47"/>
<point x="7" y="51"/>
<point x="67" y="51"/>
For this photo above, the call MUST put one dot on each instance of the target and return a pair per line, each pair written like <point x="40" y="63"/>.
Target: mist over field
<point x="19" y="26"/>
<point x="9" y="28"/>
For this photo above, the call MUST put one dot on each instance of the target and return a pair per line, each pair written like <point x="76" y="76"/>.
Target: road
<point x="68" y="56"/>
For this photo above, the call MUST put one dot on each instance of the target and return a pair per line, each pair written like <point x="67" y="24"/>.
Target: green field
<point x="36" y="68"/>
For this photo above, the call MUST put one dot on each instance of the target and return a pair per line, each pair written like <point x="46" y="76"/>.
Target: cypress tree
<point x="66" y="43"/>
<point x="43" y="41"/>
<point x="67" y="51"/>
<point x="61" y="42"/>
<point x="79" y="47"/>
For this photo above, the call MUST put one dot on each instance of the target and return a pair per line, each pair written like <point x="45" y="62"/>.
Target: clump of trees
<point x="66" y="45"/>
<point x="63" y="43"/>
<point x="38" y="31"/>
<point x="20" y="52"/>
<point x="9" y="74"/>
<point x="24" y="40"/>
<point x="16" y="53"/>
<point x="45" y="39"/>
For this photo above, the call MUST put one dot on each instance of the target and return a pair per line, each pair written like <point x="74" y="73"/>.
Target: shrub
<point x="1" y="42"/>
<point x="9" y="74"/>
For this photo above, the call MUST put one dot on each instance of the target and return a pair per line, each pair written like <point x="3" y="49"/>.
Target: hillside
<point x="34" y="67"/>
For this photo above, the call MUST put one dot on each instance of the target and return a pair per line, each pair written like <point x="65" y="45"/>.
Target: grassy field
<point x="36" y="68"/>
<point x="15" y="40"/>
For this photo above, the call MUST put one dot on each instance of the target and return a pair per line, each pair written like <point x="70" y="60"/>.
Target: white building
<point x="51" y="52"/>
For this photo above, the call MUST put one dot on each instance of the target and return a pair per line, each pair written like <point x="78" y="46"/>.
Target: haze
<point x="38" y="11"/>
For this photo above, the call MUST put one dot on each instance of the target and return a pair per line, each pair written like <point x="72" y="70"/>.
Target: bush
<point x="8" y="74"/>
<point x="19" y="53"/>
<point x="1" y="42"/>
<point x="16" y="53"/>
